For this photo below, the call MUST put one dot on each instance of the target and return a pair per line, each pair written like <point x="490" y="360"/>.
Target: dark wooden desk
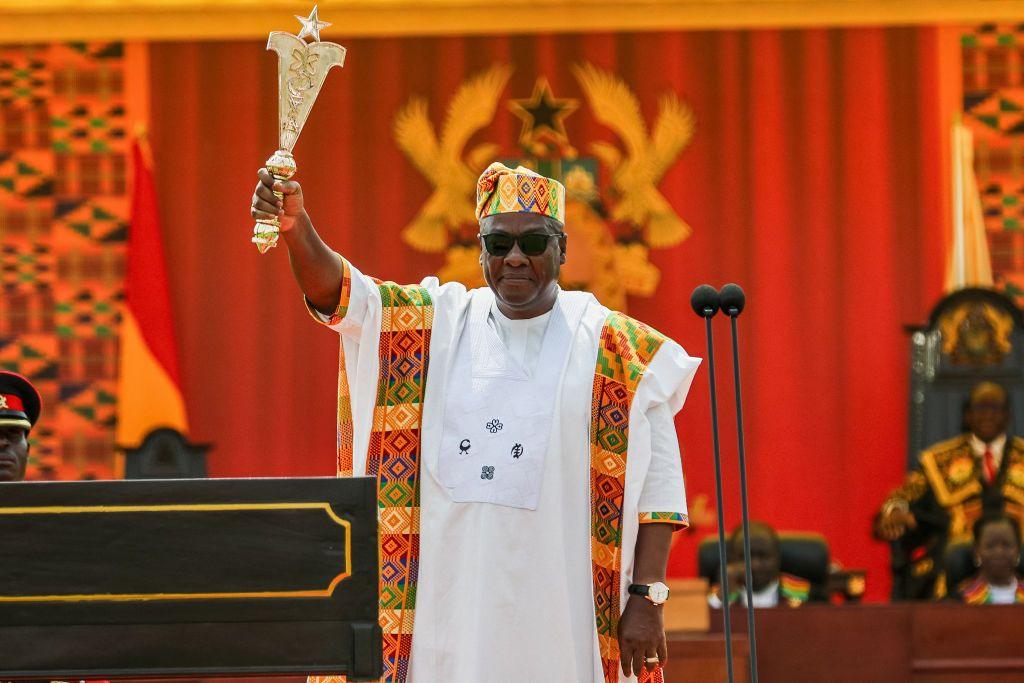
<point x="921" y="643"/>
<point x="700" y="658"/>
<point x="941" y="643"/>
<point x="115" y="579"/>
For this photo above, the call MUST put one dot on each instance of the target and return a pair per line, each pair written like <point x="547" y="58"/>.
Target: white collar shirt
<point x="522" y="338"/>
<point x="997" y="446"/>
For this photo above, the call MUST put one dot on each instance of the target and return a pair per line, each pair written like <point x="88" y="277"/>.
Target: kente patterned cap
<point x="504" y="190"/>
<point x="19" y="401"/>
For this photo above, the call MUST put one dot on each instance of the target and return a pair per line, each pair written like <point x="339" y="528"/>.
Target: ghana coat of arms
<point x="615" y="213"/>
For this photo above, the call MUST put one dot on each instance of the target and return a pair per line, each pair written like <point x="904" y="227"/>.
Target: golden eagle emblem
<point x="442" y="162"/>
<point x="615" y="212"/>
<point x="976" y="334"/>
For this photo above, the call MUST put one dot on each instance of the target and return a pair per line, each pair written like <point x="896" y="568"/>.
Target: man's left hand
<point x="641" y="636"/>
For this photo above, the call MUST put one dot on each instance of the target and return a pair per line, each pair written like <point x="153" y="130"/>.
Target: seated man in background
<point x="19" y="409"/>
<point x="954" y="483"/>
<point x="770" y="587"/>
<point x="996" y="554"/>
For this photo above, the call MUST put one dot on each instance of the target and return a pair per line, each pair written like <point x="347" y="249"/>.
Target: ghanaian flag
<point x="149" y="385"/>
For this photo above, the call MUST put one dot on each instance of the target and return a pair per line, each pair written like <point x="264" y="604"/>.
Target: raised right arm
<point x="317" y="268"/>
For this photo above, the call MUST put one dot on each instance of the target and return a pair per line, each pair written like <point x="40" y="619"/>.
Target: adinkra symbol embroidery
<point x="464" y="446"/>
<point x="517" y="451"/>
<point x="494" y="426"/>
<point x="487" y="472"/>
<point x="301" y="72"/>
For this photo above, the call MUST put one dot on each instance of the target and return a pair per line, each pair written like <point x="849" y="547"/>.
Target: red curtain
<point x="812" y="180"/>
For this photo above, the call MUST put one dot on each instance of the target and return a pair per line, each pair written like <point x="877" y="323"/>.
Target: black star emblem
<point x="542" y="113"/>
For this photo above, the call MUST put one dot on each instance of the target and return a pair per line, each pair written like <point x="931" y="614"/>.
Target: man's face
<point x="526" y="285"/>
<point x="997" y="551"/>
<point x="13" y="453"/>
<point x="765" y="561"/>
<point x="987" y="414"/>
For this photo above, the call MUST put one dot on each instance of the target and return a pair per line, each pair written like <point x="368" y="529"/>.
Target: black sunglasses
<point x="531" y="244"/>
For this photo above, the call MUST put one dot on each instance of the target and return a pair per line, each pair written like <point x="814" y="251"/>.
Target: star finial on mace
<point x="311" y="25"/>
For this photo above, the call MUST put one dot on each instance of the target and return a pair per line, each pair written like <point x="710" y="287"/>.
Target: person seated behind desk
<point x="954" y="483"/>
<point x="769" y="587"/>
<point x="997" y="554"/>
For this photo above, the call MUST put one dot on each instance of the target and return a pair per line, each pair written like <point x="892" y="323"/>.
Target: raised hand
<point x="266" y="205"/>
<point x="894" y="523"/>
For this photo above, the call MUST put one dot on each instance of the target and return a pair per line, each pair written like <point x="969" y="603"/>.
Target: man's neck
<point x="1006" y="582"/>
<point x="996" y="440"/>
<point x="534" y="310"/>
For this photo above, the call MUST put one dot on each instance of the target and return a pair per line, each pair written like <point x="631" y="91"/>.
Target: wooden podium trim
<point x="222" y="507"/>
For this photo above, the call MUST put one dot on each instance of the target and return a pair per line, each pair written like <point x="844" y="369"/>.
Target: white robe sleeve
<point x="663" y="497"/>
<point x="661" y="394"/>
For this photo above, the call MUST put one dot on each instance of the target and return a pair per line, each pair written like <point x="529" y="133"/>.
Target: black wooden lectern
<point x="189" y="577"/>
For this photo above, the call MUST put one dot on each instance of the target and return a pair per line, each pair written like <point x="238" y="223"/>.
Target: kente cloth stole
<point x="345" y="426"/>
<point x="624" y="352"/>
<point x="978" y="593"/>
<point x="393" y="457"/>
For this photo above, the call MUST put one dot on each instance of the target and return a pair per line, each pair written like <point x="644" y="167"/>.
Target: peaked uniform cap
<point x="20" y="403"/>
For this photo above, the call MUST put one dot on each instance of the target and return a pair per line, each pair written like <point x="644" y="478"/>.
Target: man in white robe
<point x="515" y="492"/>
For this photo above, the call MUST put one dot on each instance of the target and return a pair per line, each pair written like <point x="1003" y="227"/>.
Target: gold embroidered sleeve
<point x="913" y="487"/>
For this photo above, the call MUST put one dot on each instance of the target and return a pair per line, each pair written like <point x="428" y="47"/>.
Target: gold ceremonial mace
<point x="301" y="70"/>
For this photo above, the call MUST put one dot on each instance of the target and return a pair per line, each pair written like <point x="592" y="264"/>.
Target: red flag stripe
<point x="146" y="287"/>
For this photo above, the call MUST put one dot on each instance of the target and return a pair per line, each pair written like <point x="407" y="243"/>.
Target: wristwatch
<point x="656" y="592"/>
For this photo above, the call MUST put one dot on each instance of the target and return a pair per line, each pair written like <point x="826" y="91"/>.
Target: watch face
<point x="658" y="592"/>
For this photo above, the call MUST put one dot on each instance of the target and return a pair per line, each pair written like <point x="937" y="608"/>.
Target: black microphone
<point x="705" y="301"/>
<point x="732" y="301"/>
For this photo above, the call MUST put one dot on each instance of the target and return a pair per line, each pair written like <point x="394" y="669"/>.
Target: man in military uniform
<point x="953" y="484"/>
<point x="19" y="409"/>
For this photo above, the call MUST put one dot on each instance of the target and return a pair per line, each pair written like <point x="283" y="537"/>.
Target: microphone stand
<point x="733" y="300"/>
<point x="705" y="302"/>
